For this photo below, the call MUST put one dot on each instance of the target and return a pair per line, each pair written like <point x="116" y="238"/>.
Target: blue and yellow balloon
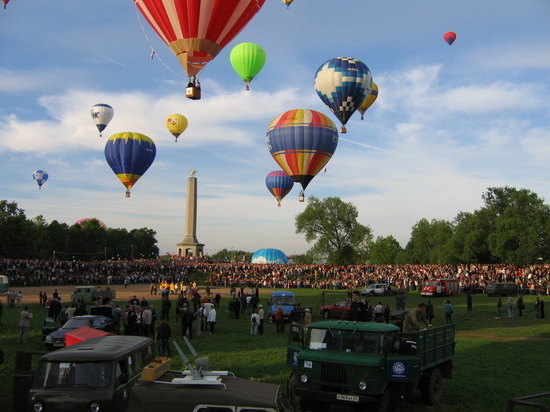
<point x="279" y="184"/>
<point x="130" y="155"/>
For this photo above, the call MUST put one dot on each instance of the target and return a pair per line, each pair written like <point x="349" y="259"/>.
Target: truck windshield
<point x="283" y="300"/>
<point x="74" y="374"/>
<point x="344" y="340"/>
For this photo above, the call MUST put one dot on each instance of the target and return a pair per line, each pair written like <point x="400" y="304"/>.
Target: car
<point x="379" y="289"/>
<point x="336" y="310"/>
<point x="56" y="340"/>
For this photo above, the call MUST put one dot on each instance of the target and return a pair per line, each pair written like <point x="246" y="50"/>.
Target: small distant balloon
<point x="176" y="124"/>
<point x="287" y="2"/>
<point x="40" y="176"/>
<point x="5" y="3"/>
<point x="449" y="37"/>
<point x="102" y="115"/>
<point x="279" y="184"/>
<point x="371" y="98"/>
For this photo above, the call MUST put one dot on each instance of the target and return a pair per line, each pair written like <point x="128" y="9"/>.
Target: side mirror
<point x="295" y="336"/>
<point x="123" y="378"/>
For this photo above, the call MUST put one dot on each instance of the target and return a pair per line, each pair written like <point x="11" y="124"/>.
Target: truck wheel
<point x="326" y="314"/>
<point x="431" y="387"/>
<point x="392" y="400"/>
<point x="305" y="405"/>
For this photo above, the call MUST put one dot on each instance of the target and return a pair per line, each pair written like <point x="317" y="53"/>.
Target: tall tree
<point x="333" y="225"/>
<point x="385" y="250"/>
<point x="428" y="243"/>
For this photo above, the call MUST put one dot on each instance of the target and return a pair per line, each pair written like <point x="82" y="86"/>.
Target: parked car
<point x="336" y="310"/>
<point x="379" y="289"/>
<point x="56" y="340"/>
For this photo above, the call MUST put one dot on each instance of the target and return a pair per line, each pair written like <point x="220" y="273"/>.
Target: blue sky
<point x="449" y="122"/>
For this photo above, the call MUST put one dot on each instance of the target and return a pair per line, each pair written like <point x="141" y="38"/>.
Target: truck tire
<point x="431" y="387"/>
<point x="392" y="400"/>
<point x="326" y="314"/>
<point x="305" y="405"/>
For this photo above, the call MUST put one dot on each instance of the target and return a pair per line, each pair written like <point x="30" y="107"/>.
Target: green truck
<point x="366" y="365"/>
<point x="87" y="294"/>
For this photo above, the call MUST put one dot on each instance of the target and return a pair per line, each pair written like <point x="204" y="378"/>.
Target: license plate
<point x="349" y="398"/>
<point x="58" y="345"/>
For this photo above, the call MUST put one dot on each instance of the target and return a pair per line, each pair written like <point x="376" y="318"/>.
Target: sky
<point x="449" y="122"/>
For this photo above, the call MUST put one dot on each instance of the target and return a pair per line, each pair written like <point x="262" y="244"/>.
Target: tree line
<point x="512" y="227"/>
<point x="24" y="238"/>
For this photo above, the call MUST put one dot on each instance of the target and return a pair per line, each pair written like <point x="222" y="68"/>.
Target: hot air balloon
<point x="287" y="2"/>
<point x="371" y="98"/>
<point x="129" y="155"/>
<point x="40" y="176"/>
<point x="196" y="31"/>
<point x="176" y="124"/>
<point x="5" y="3"/>
<point x="449" y="37"/>
<point x="102" y="115"/>
<point x="302" y="142"/>
<point x="279" y="184"/>
<point x="247" y="60"/>
<point x="343" y="83"/>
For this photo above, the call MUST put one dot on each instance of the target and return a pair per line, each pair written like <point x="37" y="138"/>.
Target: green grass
<point x="495" y="359"/>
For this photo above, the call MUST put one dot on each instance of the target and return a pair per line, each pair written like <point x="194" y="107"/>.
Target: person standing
<point x="261" y="315"/>
<point x="146" y="319"/>
<point x="448" y="311"/>
<point x="254" y="323"/>
<point x="211" y="319"/>
<point x="510" y="306"/>
<point x="116" y="313"/>
<point x="198" y="321"/>
<point x="537" y="308"/>
<point x="162" y="337"/>
<point x="24" y="324"/>
<point x="429" y="311"/>
<point x="469" y="301"/>
<point x="499" y="308"/>
<point x="358" y="309"/>
<point x="187" y="318"/>
<point x="165" y="308"/>
<point x="307" y="319"/>
<point x="280" y="320"/>
<point x="520" y="305"/>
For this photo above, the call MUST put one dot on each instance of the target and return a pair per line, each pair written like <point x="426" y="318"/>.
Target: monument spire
<point x="190" y="246"/>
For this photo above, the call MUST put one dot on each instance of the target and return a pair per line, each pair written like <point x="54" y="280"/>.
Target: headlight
<point x="49" y="339"/>
<point x="304" y="378"/>
<point x="38" y="407"/>
<point x="362" y="385"/>
<point x="94" y="407"/>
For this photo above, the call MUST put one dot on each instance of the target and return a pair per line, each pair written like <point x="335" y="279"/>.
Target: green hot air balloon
<point x="247" y="60"/>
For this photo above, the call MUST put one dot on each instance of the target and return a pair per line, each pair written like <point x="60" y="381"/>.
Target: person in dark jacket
<point x="187" y="319"/>
<point x="358" y="309"/>
<point x="162" y="337"/>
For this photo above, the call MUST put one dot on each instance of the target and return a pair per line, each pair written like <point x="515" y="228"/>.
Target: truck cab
<point x="360" y="363"/>
<point x="440" y="287"/>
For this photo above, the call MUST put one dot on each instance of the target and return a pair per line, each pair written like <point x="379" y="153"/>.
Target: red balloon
<point x="449" y="37"/>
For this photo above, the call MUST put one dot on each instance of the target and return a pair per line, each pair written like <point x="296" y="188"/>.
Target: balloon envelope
<point x="87" y="219"/>
<point x="343" y="83"/>
<point x="449" y="37"/>
<point x="197" y="30"/>
<point x="102" y="115"/>
<point x="40" y="176"/>
<point x="371" y="98"/>
<point x="302" y="141"/>
<point x="176" y="124"/>
<point x="279" y="184"/>
<point x="269" y="256"/>
<point x="129" y="155"/>
<point x="247" y="60"/>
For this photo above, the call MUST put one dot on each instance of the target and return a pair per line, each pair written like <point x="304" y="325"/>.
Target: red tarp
<point x="82" y="334"/>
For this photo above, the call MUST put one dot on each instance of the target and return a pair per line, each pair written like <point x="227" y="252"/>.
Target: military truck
<point x="89" y="294"/>
<point x="366" y="365"/>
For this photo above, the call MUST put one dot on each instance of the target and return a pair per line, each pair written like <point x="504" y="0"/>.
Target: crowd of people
<point x="175" y="271"/>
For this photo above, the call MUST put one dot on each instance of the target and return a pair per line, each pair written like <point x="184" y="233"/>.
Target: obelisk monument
<point x="190" y="246"/>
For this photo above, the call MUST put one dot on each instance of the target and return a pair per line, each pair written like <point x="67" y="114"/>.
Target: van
<point x="501" y="289"/>
<point x="93" y="375"/>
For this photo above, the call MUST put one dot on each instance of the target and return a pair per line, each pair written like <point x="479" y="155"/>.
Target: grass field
<point x="495" y="359"/>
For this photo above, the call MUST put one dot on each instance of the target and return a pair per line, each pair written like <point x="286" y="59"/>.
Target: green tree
<point x="385" y="250"/>
<point x="428" y="243"/>
<point x="15" y="230"/>
<point x="144" y="243"/>
<point x="521" y="232"/>
<point x="333" y="225"/>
